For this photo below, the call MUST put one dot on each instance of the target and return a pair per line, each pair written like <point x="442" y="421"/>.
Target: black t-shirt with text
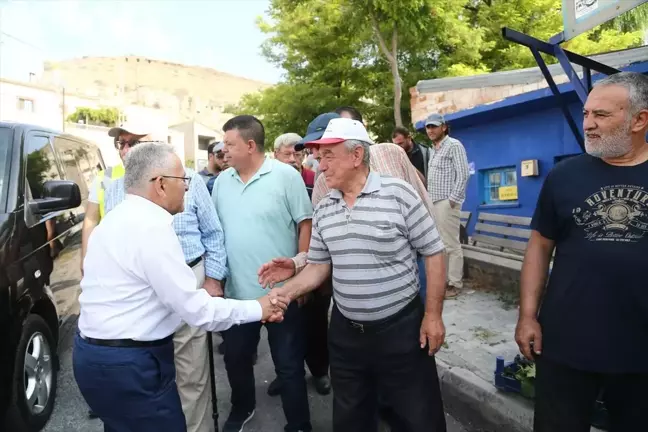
<point x="594" y="314"/>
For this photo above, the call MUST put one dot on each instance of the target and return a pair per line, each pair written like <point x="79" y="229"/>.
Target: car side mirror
<point x="57" y="195"/>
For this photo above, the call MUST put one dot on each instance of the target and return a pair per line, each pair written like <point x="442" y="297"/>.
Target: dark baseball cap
<point x="435" y="120"/>
<point x="316" y="129"/>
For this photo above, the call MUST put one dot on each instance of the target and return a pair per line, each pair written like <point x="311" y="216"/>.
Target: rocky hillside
<point x="184" y="92"/>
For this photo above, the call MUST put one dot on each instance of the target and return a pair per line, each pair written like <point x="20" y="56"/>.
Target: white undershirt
<point x="136" y="284"/>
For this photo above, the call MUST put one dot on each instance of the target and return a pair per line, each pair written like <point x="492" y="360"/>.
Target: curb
<point x="470" y="397"/>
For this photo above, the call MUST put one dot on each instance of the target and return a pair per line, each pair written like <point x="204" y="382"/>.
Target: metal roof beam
<point x="547" y="48"/>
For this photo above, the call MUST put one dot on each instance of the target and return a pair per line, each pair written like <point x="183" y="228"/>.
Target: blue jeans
<point x="130" y="389"/>
<point x="422" y="280"/>
<point x="288" y="346"/>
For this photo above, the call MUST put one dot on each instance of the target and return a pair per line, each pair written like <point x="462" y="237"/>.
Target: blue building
<point x="513" y="144"/>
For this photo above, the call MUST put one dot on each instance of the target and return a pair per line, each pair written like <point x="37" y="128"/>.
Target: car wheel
<point x="35" y="374"/>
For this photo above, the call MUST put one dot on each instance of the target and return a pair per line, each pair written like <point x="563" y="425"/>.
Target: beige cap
<point x="130" y="128"/>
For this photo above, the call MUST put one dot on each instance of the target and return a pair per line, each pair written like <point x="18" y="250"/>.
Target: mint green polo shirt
<point x="259" y="220"/>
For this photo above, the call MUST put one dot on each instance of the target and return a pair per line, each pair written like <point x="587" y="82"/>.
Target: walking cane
<point x="212" y="376"/>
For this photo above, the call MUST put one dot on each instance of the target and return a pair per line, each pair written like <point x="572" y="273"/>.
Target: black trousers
<point x="386" y="363"/>
<point x="565" y="399"/>
<point x="316" y="317"/>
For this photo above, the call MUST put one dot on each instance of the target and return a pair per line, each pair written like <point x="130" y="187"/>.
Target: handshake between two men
<point x="276" y="302"/>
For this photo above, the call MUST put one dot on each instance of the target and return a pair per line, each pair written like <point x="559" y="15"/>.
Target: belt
<point x="195" y="262"/>
<point x="373" y="326"/>
<point x="127" y="343"/>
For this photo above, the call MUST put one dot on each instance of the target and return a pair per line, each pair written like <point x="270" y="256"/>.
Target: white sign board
<point x="584" y="7"/>
<point x="580" y="16"/>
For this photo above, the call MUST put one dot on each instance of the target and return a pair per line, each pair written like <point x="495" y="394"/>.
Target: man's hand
<point x="273" y="307"/>
<point x="528" y="336"/>
<point x="432" y="333"/>
<point x="275" y="271"/>
<point x="213" y="287"/>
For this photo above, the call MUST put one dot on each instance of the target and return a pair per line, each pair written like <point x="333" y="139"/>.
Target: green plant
<point x="524" y="371"/>
<point x="526" y="375"/>
<point x="108" y="117"/>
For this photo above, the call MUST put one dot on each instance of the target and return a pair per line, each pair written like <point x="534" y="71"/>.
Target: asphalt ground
<point x="70" y="412"/>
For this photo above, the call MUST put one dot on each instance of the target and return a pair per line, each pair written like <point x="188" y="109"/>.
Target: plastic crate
<point x="502" y="382"/>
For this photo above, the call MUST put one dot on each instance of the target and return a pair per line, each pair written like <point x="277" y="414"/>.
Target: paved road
<point x="70" y="410"/>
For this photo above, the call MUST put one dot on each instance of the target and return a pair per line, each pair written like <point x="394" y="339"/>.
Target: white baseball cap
<point x="218" y="147"/>
<point x="340" y="130"/>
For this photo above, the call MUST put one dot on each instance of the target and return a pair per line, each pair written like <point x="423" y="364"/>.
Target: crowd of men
<point x="171" y="254"/>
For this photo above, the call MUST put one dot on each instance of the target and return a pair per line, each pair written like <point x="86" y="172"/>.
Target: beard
<point x="616" y="143"/>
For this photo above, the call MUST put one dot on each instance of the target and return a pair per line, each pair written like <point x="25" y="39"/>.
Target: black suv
<point x="44" y="181"/>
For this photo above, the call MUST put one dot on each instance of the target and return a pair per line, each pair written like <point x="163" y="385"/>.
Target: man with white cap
<point x="367" y="230"/>
<point x="125" y="138"/>
<point x="447" y="178"/>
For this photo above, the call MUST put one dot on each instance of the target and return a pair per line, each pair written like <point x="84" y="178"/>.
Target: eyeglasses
<point x="219" y="155"/>
<point x="186" y="180"/>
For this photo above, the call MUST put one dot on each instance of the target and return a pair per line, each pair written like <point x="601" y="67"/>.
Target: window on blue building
<point x="500" y="185"/>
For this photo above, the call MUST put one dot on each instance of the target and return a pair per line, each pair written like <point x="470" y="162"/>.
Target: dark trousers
<point x="287" y="346"/>
<point x="565" y="398"/>
<point x="316" y="316"/>
<point x="387" y="364"/>
<point x="130" y="389"/>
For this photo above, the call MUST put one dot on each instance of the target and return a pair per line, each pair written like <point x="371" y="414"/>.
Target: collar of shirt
<point x="442" y="143"/>
<point x="153" y="210"/>
<point x="371" y="185"/>
<point x="206" y="172"/>
<point x="266" y="167"/>
<point x="415" y="149"/>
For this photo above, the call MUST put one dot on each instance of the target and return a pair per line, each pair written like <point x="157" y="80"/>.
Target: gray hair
<point x="146" y="161"/>
<point x="286" y="139"/>
<point x="352" y="144"/>
<point x="635" y="83"/>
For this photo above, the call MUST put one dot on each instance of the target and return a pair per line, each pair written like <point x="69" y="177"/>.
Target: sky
<point x="221" y="34"/>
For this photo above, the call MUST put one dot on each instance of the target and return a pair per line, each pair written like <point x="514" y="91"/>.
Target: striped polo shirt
<point x="372" y="246"/>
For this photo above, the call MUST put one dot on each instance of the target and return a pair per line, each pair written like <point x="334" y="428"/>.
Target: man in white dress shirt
<point x="136" y="291"/>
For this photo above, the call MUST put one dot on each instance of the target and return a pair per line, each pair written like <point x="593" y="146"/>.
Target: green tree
<point x="364" y="52"/>
<point x="108" y="117"/>
<point x="542" y="19"/>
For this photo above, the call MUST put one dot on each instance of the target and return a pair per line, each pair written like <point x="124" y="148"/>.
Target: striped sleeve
<point x="318" y="253"/>
<point x="421" y="229"/>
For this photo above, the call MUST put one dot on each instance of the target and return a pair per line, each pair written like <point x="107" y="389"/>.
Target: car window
<point x="6" y="135"/>
<point x="79" y="161"/>
<point x="41" y="164"/>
